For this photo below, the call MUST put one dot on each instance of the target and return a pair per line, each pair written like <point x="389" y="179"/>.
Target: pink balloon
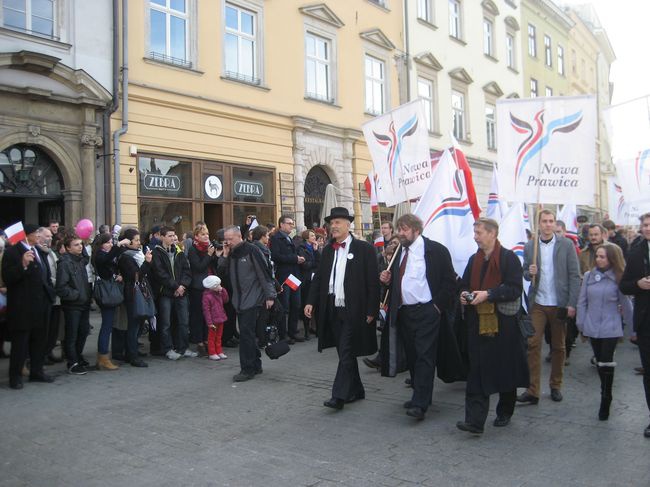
<point x="84" y="228"/>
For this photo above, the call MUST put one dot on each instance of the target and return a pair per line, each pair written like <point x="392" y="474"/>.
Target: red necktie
<point x="337" y="245"/>
<point x="402" y="269"/>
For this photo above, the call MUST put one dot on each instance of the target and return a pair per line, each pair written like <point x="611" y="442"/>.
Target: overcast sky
<point x="627" y="23"/>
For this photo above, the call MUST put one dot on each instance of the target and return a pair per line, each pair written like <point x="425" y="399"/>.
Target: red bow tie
<point x="337" y="245"/>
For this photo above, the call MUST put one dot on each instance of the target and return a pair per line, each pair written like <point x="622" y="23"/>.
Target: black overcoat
<point x="29" y="291"/>
<point x="498" y="363"/>
<point x="637" y="267"/>
<point x="361" y="297"/>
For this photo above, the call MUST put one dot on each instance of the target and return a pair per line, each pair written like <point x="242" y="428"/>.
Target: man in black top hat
<point x="344" y="296"/>
<point x="29" y="298"/>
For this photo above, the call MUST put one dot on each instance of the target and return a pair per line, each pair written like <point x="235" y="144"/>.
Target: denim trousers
<point x="77" y="328"/>
<point x="108" y="317"/>
<point x="179" y="306"/>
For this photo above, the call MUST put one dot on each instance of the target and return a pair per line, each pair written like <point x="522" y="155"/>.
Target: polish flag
<point x="15" y="233"/>
<point x="379" y="241"/>
<point x="293" y="282"/>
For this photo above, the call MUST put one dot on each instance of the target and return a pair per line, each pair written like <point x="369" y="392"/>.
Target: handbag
<point x="509" y="308"/>
<point x="143" y="305"/>
<point x="274" y="347"/>
<point x="108" y="293"/>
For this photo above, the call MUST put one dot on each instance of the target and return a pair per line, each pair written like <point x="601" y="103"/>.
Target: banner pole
<point x="390" y="264"/>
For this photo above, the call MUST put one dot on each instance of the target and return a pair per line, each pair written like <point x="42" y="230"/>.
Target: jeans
<point x="132" y="331"/>
<point x="249" y="353"/>
<point x="178" y="305"/>
<point x="290" y="300"/>
<point x="108" y="317"/>
<point x="77" y="328"/>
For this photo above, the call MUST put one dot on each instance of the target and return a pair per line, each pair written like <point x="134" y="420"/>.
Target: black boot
<point x="606" y="383"/>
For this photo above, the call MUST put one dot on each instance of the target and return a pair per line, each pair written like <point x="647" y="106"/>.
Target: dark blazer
<point x="29" y="291"/>
<point x="165" y="280"/>
<point x="200" y="265"/>
<point x="285" y="256"/>
<point x="361" y="286"/>
<point x="636" y="268"/>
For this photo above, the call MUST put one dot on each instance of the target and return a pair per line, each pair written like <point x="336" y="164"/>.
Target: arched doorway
<point x="30" y="186"/>
<point x="315" y="184"/>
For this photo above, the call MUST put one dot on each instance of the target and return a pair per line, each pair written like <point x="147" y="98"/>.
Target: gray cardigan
<point x="566" y="271"/>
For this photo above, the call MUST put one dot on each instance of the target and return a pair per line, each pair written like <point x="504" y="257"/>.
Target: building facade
<point x="55" y="89"/>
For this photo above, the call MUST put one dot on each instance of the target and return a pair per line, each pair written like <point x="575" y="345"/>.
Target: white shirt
<point x="415" y="288"/>
<point x="340" y="261"/>
<point x="546" y="295"/>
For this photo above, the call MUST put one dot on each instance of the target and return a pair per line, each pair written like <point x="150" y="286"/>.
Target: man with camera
<point x="553" y="295"/>
<point x="253" y="288"/>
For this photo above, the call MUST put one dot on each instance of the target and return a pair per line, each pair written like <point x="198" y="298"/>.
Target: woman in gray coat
<point x="600" y="306"/>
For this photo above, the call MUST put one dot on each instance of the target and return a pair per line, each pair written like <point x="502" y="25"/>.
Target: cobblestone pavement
<point x="186" y="423"/>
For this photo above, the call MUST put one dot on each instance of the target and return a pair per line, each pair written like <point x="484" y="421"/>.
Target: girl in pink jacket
<point x="214" y="314"/>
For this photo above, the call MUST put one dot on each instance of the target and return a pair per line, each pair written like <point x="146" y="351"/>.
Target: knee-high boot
<point x="606" y="372"/>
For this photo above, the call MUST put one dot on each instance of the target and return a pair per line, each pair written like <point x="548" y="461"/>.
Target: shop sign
<point x="249" y="188"/>
<point x="158" y="182"/>
<point x="213" y="187"/>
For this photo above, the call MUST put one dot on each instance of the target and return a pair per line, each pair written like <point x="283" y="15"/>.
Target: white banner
<point x="634" y="176"/>
<point x="496" y="207"/>
<point x="620" y="211"/>
<point x="547" y="149"/>
<point x="398" y="142"/>
<point x="628" y="126"/>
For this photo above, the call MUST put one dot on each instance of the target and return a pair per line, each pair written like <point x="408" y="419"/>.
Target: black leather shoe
<point x="242" y="377"/>
<point x="416" y="412"/>
<point x="501" y="421"/>
<point x="334" y="403"/>
<point x="556" y="395"/>
<point x="408" y="405"/>
<point x="527" y="398"/>
<point x="470" y="428"/>
<point x="356" y="397"/>
<point x="139" y="363"/>
<point x="646" y="432"/>
<point x="371" y="363"/>
<point x="259" y="371"/>
<point x="42" y="377"/>
<point x="16" y="384"/>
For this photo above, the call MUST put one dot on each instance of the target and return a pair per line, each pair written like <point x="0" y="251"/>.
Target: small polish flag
<point x="15" y="233"/>
<point x="293" y="282"/>
<point x="379" y="241"/>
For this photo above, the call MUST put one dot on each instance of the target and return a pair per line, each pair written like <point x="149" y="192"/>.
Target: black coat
<point x="498" y="363"/>
<point x="312" y="261"/>
<point x="441" y="279"/>
<point x="361" y="286"/>
<point x="201" y="264"/>
<point x="129" y="270"/>
<point x="29" y="291"/>
<point x="285" y="256"/>
<point x="636" y="268"/>
<point x="165" y="280"/>
<point x="72" y="284"/>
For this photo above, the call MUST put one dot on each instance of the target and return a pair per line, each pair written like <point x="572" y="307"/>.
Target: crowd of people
<point x="257" y="285"/>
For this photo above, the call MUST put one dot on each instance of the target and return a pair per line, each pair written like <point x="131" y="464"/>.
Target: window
<point x="425" y="92"/>
<point x="532" y="41"/>
<point x="491" y="126"/>
<point x="240" y="46"/>
<point x="510" y="50"/>
<point x="31" y="16"/>
<point x="533" y="88"/>
<point x="454" y="19"/>
<point x="488" y="28"/>
<point x="548" y="52"/>
<point x="560" y="60"/>
<point x="458" y="113"/>
<point x="318" y="67"/>
<point x="425" y="10"/>
<point x="169" y="37"/>
<point x="375" y="85"/>
<point x="549" y="91"/>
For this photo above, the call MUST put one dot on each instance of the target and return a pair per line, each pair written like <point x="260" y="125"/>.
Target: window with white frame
<point x="548" y="52"/>
<point x="533" y="88"/>
<point x="425" y="92"/>
<point x="458" y="114"/>
<point x="169" y="31"/>
<point x="375" y="73"/>
<point x="240" y="46"/>
<point x="549" y="91"/>
<point x="491" y="126"/>
<point x="510" y="50"/>
<point x="30" y="16"/>
<point x="488" y="37"/>
<point x="425" y="10"/>
<point x="532" y="41"/>
<point x="318" y="67"/>
<point x="560" y="60"/>
<point x="455" y="26"/>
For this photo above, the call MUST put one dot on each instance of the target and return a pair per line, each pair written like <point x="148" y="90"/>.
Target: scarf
<point x="487" y="317"/>
<point x="201" y="246"/>
<point x="338" y="288"/>
<point x="136" y="255"/>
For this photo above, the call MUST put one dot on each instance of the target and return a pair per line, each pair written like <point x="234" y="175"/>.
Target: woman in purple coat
<point x="600" y="306"/>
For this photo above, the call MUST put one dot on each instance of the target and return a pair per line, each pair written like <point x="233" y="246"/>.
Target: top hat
<point x="339" y="212"/>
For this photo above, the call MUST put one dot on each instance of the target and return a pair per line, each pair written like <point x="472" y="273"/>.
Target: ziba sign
<point x="248" y="188"/>
<point x="157" y="182"/>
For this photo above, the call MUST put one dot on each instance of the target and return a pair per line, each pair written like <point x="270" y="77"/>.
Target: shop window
<point x="252" y="186"/>
<point x="264" y="214"/>
<point x="177" y="214"/>
<point x="164" y="178"/>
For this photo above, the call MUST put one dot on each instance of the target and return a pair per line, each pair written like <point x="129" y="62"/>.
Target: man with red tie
<point x="344" y="297"/>
<point x="422" y="285"/>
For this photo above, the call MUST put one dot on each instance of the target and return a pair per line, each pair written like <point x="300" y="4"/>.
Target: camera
<point x="217" y="245"/>
<point x="469" y="297"/>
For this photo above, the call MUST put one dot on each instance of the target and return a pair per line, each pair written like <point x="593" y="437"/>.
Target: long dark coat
<point x="499" y="363"/>
<point x="361" y="297"/>
<point x="29" y="292"/>
<point x="441" y="279"/>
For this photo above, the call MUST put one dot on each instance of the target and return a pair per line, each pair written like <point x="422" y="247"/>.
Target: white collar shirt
<point x="546" y="295"/>
<point x="338" y="266"/>
<point x="415" y="288"/>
